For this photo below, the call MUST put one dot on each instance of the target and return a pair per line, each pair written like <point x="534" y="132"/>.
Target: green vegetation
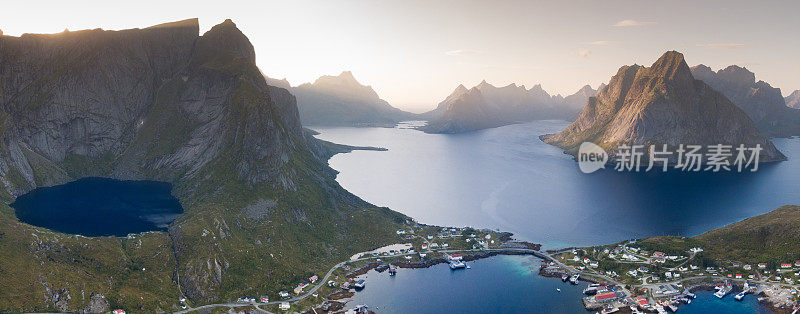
<point x="769" y="238"/>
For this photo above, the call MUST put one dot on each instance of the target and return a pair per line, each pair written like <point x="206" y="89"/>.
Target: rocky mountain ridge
<point x="463" y="110"/>
<point x="661" y="104"/>
<point x="343" y="101"/>
<point x="763" y="103"/>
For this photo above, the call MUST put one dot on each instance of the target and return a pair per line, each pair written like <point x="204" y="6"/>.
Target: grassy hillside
<point x="771" y="237"/>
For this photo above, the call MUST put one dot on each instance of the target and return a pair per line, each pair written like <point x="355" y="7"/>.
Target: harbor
<point x="634" y="278"/>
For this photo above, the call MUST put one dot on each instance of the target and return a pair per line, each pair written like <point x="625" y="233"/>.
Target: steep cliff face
<point x="762" y="102"/>
<point x="343" y="101"/>
<point x="793" y="100"/>
<point x="662" y="104"/>
<point x="164" y="103"/>
<point x="498" y="106"/>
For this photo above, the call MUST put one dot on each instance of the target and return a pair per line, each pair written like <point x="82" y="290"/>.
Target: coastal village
<point x="418" y="246"/>
<point x="637" y="277"/>
<point x="627" y="277"/>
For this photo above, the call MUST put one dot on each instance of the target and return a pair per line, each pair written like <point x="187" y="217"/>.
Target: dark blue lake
<point x="100" y="207"/>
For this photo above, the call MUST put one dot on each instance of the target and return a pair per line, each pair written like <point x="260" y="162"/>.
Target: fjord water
<point x="507" y="178"/>
<point x="100" y="207"/>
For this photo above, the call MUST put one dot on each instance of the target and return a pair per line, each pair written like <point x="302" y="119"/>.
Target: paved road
<point x="330" y="272"/>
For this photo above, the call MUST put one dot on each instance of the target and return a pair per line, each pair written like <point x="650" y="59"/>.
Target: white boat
<point x="574" y="279"/>
<point x="558" y="289"/>
<point x="564" y="278"/>
<point x="739" y="296"/>
<point x="457" y="264"/>
<point x="609" y="309"/>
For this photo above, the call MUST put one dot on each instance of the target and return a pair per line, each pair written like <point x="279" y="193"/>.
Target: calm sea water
<point x="706" y="302"/>
<point x="100" y="207"/>
<point x="507" y="178"/>
<point x="502" y="284"/>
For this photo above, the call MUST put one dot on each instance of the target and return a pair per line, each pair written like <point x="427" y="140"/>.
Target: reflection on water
<point x="507" y="178"/>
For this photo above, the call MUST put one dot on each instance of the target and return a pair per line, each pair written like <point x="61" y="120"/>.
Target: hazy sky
<point x="414" y="53"/>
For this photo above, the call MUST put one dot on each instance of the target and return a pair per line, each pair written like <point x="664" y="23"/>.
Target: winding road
<point x="322" y="281"/>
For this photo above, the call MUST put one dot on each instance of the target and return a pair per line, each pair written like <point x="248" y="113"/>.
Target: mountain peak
<point x="793" y="100"/>
<point x="662" y="104"/>
<point x="737" y="74"/>
<point x="587" y="90"/>
<point x="347" y="75"/>
<point x="227" y="38"/>
<point x="345" y="78"/>
<point x="671" y="65"/>
<point x="484" y="85"/>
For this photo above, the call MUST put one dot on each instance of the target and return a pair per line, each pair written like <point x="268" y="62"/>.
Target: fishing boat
<point x="564" y="278"/>
<point x="739" y="296"/>
<point x="392" y="271"/>
<point x="574" y="279"/>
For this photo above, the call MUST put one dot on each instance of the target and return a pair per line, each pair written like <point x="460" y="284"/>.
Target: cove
<point x="100" y="207"/>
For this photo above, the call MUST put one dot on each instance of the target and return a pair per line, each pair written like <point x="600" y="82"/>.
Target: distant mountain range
<point x="342" y="101"/>
<point x="793" y="100"/>
<point x="486" y="106"/>
<point x="763" y="103"/>
<point x="662" y="104"/>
